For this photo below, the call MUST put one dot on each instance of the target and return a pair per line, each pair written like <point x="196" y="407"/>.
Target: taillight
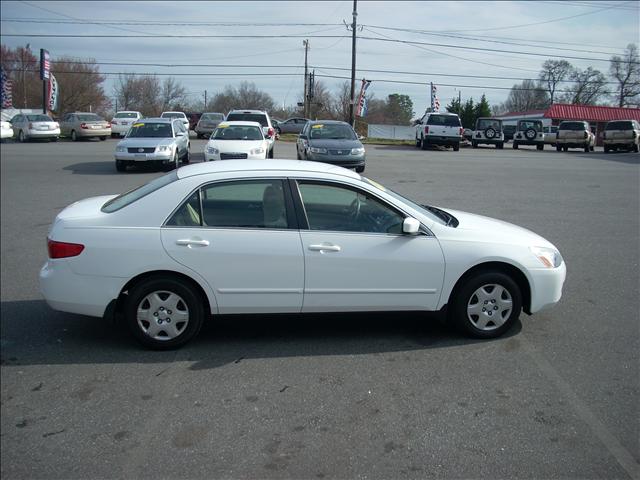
<point x="426" y="129"/>
<point x="63" y="249"/>
<point x="461" y="131"/>
<point x="108" y="125"/>
<point x="113" y="122"/>
<point x="83" y="125"/>
<point x="271" y="132"/>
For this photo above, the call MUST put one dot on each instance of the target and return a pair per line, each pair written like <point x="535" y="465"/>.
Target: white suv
<point x="622" y="134"/>
<point x="436" y="128"/>
<point x="572" y="134"/>
<point x="262" y="118"/>
<point x="489" y="132"/>
<point x="179" y="115"/>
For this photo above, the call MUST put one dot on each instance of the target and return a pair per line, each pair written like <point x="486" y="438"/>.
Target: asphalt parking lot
<point x="336" y="396"/>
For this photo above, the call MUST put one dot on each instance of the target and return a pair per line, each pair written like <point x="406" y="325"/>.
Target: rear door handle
<point x="325" y="247"/>
<point x="189" y="242"/>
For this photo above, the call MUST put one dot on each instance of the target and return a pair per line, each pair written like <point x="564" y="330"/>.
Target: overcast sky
<point x="593" y="30"/>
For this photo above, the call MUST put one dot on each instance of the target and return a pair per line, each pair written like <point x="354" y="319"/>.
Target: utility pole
<point x="305" y="99"/>
<point x="205" y="100"/>
<point x="353" y="62"/>
<point x="459" y="100"/>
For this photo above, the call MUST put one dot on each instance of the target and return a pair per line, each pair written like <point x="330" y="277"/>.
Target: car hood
<point x="236" y="145"/>
<point x="331" y="143"/>
<point x="479" y="228"/>
<point x="145" y="142"/>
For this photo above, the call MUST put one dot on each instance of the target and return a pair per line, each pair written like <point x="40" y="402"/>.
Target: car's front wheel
<point x="164" y="313"/>
<point x="121" y="165"/>
<point x="486" y="305"/>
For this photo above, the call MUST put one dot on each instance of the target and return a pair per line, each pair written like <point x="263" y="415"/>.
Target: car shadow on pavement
<point x="33" y="334"/>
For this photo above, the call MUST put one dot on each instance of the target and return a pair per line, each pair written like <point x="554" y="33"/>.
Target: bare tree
<point x="171" y="94"/>
<point x="626" y="71"/>
<point x="590" y="85"/>
<point x="526" y="96"/>
<point x="79" y="85"/>
<point x="554" y="72"/>
<point x="246" y="96"/>
<point x="341" y="102"/>
<point x="22" y="67"/>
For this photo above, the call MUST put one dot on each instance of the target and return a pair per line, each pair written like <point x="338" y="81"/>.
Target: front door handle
<point x="325" y="247"/>
<point x="189" y="242"/>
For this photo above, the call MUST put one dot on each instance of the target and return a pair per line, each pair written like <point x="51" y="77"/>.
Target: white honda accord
<point x="289" y="237"/>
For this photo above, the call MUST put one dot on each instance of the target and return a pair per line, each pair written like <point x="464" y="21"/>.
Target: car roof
<point x="247" y="166"/>
<point x="127" y="111"/>
<point x="242" y="122"/>
<point x="157" y="119"/>
<point x="443" y="113"/>
<point x="327" y="122"/>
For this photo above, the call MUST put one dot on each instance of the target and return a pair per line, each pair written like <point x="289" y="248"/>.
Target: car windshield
<point x="487" y="122"/>
<point x="237" y="132"/>
<point x="131" y="196"/>
<point x="619" y="126"/>
<point x="527" y="124"/>
<point x="150" y="130"/>
<point x="89" y="118"/>
<point x="576" y="126"/>
<point x="444" y="120"/>
<point x="433" y="213"/>
<point x="261" y="118"/>
<point x="39" y="118"/>
<point x="173" y="115"/>
<point x="126" y="115"/>
<point x="332" y="131"/>
<point x="215" y="117"/>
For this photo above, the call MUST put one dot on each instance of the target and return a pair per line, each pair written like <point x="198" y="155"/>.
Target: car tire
<point x="558" y="148"/>
<point x="500" y="146"/>
<point x="187" y="157"/>
<point x="540" y="146"/>
<point x="360" y="169"/>
<point x="103" y="138"/>
<point x="53" y="139"/>
<point x="21" y="136"/>
<point x="530" y="134"/>
<point x="418" y="143"/>
<point x="474" y="144"/>
<point x="486" y="305"/>
<point x="515" y="145"/>
<point x="271" y="153"/>
<point x="566" y="149"/>
<point x="298" y="154"/>
<point x="156" y="296"/>
<point x="121" y="166"/>
<point x="592" y="148"/>
<point x="456" y="147"/>
<point x="74" y="136"/>
<point x="424" y="145"/>
<point x="636" y="148"/>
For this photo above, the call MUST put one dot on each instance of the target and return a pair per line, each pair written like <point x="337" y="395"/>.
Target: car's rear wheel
<point x="456" y="147"/>
<point x="474" y="144"/>
<point x="21" y="136"/>
<point x="500" y="146"/>
<point x="540" y="146"/>
<point x="636" y="148"/>
<point x="187" y="156"/>
<point x="360" y="169"/>
<point x="586" y="148"/>
<point x="566" y="149"/>
<point x="515" y="145"/>
<point x="53" y="139"/>
<point x="558" y="148"/>
<point x="423" y="144"/>
<point x="418" y="143"/>
<point x="74" y="136"/>
<point x="103" y="138"/>
<point x="164" y="313"/>
<point x="271" y="152"/>
<point x="486" y="305"/>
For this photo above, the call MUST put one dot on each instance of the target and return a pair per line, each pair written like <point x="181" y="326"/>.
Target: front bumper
<point x="145" y="157"/>
<point x="546" y="287"/>
<point x="346" y="161"/>
<point x="210" y="157"/>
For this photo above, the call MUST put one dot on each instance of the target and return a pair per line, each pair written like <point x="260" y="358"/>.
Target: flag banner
<point x="6" y="86"/>
<point x="52" y="94"/>
<point x="45" y="64"/>
<point x="435" y="102"/>
<point x="361" y="110"/>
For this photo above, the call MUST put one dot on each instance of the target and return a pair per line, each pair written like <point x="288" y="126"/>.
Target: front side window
<point x="237" y="204"/>
<point x="338" y="208"/>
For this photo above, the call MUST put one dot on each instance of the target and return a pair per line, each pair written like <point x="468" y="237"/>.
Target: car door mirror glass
<point x="410" y="226"/>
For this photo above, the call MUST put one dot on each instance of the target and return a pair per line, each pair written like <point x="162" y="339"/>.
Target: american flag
<point x="5" y="90"/>
<point x="435" y="102"/>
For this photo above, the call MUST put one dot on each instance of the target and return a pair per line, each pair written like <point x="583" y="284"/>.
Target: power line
<point x="156" y="23"/>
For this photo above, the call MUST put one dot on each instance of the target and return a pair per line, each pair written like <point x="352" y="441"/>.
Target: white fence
<point x="391" y="132"/>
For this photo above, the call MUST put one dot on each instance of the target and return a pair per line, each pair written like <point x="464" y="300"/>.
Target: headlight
<point x="549" y="257"/>
<point x="121" y="149"/>
<point x="357" y="151"/>
<point x="163" y="148"/>
<point x="317" y="150"/>
<point x="213" y="150"/>
<point x="257" y="151"/>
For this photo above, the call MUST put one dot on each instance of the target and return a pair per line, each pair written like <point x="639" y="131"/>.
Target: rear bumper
<point x="446" y="141"/>
<point x="620" y="142"/>
<point x="572" y="143"/>
<point x="43" y="133"/>
<point x="86" y="133"/>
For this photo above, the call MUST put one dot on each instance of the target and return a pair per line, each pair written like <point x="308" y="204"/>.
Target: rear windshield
<point x="248" y="117"/>
<point x="577" y="126"/>
<point x="126" y="115"/>
<point x="39" y="118"/>
<point x="216" y="117"/>
<point x="619" y="126"/>
<point x="136" y="194"/>
<point x="445" y="120"/>
<point x="525" y="125"/>
<point x="89" y="118"/>
<point x="488" y="122"/>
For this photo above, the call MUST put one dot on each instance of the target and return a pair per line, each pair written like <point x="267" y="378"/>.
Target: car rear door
<point x="356" y="256"/>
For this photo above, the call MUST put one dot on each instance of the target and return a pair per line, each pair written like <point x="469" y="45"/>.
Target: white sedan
<point x="6" y="131"/>
<point x="288" y="237"/>
<point x="237" y="141"/>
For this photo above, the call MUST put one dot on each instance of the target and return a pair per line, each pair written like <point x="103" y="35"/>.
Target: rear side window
<point x="444" y="120"/>
<point x="136" y="194"/>
<point x="577" y="126"/>
<point x="248" y="117"/>
<point x="619" y="126"/>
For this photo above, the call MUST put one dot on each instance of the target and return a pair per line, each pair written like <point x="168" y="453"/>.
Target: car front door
<point x="243" y="239"/>
<point x="358" y="259"/>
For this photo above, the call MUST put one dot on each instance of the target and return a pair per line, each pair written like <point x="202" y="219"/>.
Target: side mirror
<point x="410" y="226"/>
<point x="179" y="134"/>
